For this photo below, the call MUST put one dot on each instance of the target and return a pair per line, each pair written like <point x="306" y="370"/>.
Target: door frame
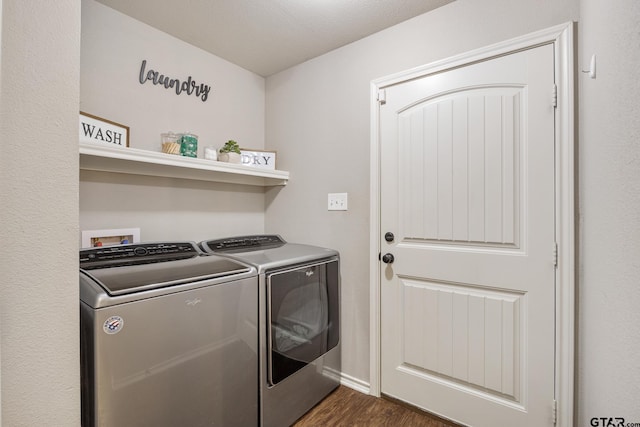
<point x="562" y="38"/>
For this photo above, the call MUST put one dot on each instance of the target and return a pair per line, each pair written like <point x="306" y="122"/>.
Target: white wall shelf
<point x="143" y="162"/>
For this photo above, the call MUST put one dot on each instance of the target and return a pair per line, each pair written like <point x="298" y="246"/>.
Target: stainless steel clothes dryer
<point x="299" y="318"/>
<point x="168" y="337"/>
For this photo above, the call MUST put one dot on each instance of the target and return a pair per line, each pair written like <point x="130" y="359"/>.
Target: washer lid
<point x="137" y="278"/>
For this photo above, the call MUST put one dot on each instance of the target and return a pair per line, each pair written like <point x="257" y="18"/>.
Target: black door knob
<point x="388" y="236"/>
<point x="388" y="258"/>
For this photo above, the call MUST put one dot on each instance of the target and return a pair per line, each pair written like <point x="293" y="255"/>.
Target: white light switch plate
<point x="337" y="202"/>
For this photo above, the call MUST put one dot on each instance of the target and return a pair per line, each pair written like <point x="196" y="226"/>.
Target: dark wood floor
<point x="347" y="407"/>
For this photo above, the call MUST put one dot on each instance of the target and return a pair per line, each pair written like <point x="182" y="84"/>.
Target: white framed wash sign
<point x="97" y="130"/>
<point x="258" y="158"/>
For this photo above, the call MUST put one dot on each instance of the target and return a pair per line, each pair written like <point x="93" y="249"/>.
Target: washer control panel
<point x="140" y="253"/>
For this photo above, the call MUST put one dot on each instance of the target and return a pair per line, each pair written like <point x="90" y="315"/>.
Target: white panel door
<point x="467" y="189"/>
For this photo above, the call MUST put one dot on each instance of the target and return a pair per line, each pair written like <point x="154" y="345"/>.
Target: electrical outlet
<point x="337" y="202"/>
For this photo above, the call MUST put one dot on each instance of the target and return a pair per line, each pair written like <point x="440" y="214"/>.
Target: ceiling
<point x="268" y="36"/>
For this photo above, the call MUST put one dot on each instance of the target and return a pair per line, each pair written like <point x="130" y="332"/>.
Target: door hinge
<point x="554" y="96"/>
<point x="554" y="412"/>
<point x="382" y="96"/>
<point x="555" y="254"/>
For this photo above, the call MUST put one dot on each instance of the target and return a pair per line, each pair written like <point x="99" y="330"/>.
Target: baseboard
<point x="347" y="380"/>
<point x="355" y="383"/>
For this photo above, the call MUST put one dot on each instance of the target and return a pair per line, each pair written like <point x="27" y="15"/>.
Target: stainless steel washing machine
<point x="169" y="337"/>
<point x="299" y="318"/>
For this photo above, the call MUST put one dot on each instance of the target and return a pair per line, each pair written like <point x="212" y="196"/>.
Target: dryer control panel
<point x="245" y="243"/>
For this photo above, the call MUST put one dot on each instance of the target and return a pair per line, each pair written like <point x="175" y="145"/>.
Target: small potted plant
<point x="230" y="152"/>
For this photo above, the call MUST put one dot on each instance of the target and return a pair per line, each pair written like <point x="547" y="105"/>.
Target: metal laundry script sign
<point x="188" y="86"/>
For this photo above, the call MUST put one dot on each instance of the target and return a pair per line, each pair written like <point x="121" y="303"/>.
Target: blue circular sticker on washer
<point x="113" y="325"/>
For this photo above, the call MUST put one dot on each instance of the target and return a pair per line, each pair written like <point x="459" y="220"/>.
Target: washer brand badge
<point x="193" y="302"/>
<point x="113" y="325"/>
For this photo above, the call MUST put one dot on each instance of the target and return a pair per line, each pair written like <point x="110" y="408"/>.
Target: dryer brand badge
<point x="113" y="325"/>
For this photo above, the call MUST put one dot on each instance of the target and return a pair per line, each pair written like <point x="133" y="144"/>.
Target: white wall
<point x="113" y="47"/>
<point x="40" y="62"/>
<point x="609" y="160"/>
<point x="318" y="120"/>
<point x="169" y="209"/>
